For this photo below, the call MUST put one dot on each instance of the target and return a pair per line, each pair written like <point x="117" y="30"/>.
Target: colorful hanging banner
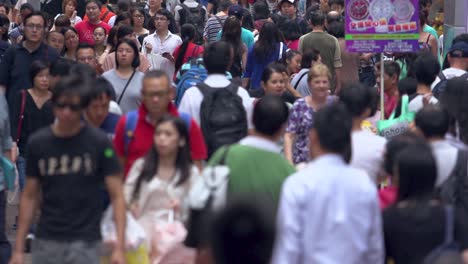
<point x="382" y="25"/>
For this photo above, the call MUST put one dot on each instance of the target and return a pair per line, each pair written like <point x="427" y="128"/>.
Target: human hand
<point x="17" y="258"/>
<point x="148" y="47"/>
<point x="118" y="257"/>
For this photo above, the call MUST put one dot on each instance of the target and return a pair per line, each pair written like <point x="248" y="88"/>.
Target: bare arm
<point x="465" y="256"/>
<point x="288" y="145"/>
<point x="115" y="189"/>
<point x="198" y="164"/>
<point x="434" y="46"/>
<point x="27" y="207"/>
<point x="245" y="83"/>
<point x="338" y="81"/>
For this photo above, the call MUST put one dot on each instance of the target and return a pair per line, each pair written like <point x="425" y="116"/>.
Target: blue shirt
<point x="255" y="66"/>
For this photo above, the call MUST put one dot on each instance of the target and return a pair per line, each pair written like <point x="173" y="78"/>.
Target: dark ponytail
<point x="187" y="32"/>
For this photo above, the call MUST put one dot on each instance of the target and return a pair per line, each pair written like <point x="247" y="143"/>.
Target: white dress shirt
<point x="367" y="152"/>
<point x="160" y="46"/>
<point x="192" y="99"/>
<point x="329" y="214"/>
<point x="446" y="158"/>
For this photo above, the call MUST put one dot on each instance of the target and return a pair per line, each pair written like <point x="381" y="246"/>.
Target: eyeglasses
<point x="72" y="107"/>
<point x="160" y="18"/>
<point x="34" y="27"/>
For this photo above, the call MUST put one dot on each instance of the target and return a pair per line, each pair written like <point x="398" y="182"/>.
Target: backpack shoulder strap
<point x="461" y="175"/>
<point x="442" y="76"/>
<point x="465" y="75"/>
<point x="204" y="88"/>
<point x="187" y="119"/>
<point x="233" y="88"/>
<point x="130" y="127"/>
<point x="105" y="14"/>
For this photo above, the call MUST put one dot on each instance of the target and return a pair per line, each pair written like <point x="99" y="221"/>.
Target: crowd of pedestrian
<point x="228" y="132"/>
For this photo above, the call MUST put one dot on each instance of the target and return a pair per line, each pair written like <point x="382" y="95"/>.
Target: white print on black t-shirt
<point x="53" y="166"/>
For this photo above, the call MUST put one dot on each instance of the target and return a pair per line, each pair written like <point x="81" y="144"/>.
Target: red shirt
<point x="105" y="15"/>
<point x="193" y="51"/>
<point x="143" y="138"/>
<point x="86" y="30"/>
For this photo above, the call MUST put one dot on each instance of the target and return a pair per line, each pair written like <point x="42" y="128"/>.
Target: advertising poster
<point x="382" y="25"/>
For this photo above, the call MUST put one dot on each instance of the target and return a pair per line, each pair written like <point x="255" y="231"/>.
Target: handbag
<point x="207" y="195"/>
<point x="9" y="172"/>
<point x="397" y="126"/>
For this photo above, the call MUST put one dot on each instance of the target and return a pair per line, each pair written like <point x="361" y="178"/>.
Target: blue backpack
<point x="192" y="73"/>
<point x="132" y="120"/>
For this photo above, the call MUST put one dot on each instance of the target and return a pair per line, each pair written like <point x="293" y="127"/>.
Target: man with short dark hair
<point x="59" y="69"/>
<point x="336" y="5"/>
<point x="85" y="54"/>
<point x="156" y="101"/>
<point x="367" y="148"/>
<point x="86" y="27"/>
<point x="67" y="165"/>
<point x="328" y="46"/>
<point x="288" y="8"/>
<point x="246" y="35"/>
<point x="17" y="59"/>
<point x="433" y="123"/>
<point x="425" y="68"/>
<point x="217" y="57"/>
<point x="257" y="169"/>
<point x="457" y="57"/>
<point x="215" y="23"/>
<point x="342" y="201"/>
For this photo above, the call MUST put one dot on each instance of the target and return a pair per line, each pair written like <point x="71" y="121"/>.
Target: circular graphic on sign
<point x="404" y="10"/>
<point x="381" y="9"/>
<point x="358" y="9"/>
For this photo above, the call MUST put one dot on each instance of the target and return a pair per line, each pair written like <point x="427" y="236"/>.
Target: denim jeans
<point x="5" y="247"/>
<point x="21" y="165"/>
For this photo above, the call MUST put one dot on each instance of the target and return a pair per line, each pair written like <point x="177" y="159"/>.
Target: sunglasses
<point x="72" y="107"/>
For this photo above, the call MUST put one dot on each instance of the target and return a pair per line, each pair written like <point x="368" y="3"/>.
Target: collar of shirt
<point x="171" y="109"/>
<point x="169" y="34"/>
<point x="260" y="143"/>
<point x="329" y="158"/>
<point x="217" y="80"/>
<point x="40" y="48"/>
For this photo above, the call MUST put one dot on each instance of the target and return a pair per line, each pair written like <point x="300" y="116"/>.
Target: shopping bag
<point x="164" y="232"/>
<point x="9" y="173"/>
<point x="397" y="126"/>
<point x="135" y="239"/>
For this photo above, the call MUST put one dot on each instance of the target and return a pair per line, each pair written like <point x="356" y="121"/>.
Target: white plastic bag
<point x="134" y="234"/>
<point x="213" y="181"/>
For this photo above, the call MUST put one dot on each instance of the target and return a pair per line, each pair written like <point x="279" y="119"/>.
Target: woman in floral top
<point x="296" y="138"/>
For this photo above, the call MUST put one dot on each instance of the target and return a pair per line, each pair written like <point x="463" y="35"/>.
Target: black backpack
<point x="195" y="16"/>
<point x="439" y="89"/>
<point x="222" y="116"/>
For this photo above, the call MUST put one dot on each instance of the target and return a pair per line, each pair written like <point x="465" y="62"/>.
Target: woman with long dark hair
<point x="291" y="32"/>
<point x="188" y="49"/>
<point x="416" y="224"/>
<point x="232" y="34"/>
<point x="267" y="49"/>
<point x="161" y="180"/>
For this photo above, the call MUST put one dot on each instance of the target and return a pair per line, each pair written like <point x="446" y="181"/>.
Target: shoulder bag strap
<point x="449" y="224"/>
<point x="125" y="88"/>
<point x="404" y="105"/>
<point x="442" y="76"/>
<point x="21" y="115"/>
<point x="300" y="78"/>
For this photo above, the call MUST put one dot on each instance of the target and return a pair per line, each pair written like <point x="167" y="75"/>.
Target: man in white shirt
<point x="217" y="58"/>
<point x="458" y="60"/>
<point x="367" y="147"/>
<point x="433" y="123"/>
<point x="329" y="212"/>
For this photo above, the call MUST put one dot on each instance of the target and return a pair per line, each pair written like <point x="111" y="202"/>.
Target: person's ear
<point x="172" y="93"/>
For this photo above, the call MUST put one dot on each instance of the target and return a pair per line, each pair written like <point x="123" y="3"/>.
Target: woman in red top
<point x="188" y="49"/>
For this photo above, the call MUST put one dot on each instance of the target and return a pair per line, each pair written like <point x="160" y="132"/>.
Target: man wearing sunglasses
<point x="68" y="163"/>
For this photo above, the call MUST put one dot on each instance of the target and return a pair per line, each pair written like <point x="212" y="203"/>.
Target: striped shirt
<point x="212" y="27"/>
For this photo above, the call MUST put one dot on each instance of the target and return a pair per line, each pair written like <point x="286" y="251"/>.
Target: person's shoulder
<point x="247" y="32"/>
<point x="42" y="135"/>
<point x="94" y="134"/>
<point x="139" y="74"/>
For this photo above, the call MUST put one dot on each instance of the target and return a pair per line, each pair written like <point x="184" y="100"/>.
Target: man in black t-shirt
<point x="68" y="163"/>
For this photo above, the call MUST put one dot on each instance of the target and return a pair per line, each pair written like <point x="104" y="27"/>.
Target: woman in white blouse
<point x="162" y="179"/>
